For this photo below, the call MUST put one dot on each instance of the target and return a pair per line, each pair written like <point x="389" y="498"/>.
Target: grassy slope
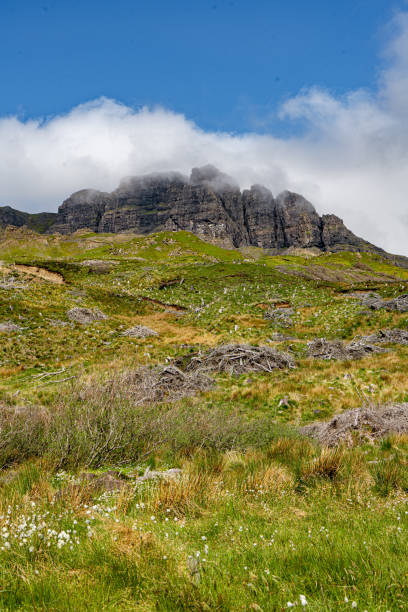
<point x="279" y="516"/>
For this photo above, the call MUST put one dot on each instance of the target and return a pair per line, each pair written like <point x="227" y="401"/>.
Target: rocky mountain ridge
<point x="209" y="204"/>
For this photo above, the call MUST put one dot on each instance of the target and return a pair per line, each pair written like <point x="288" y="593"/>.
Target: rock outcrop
<point x="209" y="204"/>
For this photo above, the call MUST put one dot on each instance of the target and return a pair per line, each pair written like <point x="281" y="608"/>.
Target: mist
<point x="351" y="157"/>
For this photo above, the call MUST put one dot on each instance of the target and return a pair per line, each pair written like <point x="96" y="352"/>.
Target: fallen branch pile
<point x="236" y="359"/>
<point x="360" y="425"/>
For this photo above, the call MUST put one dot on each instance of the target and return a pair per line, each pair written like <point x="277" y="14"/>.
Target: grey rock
<point x="171" y="474"/>
<point x="99" y="266"/>
<point x="109" y="481"/>
<point x="376" y="302"/>
<point x="140" y="331"/>
<point x="9" y="327"/>
<point x="399" y="304"/>
<point x="280" y="316"/>
<point x="279" y="337"/>
<point x="85" y="315"/>
<point x="209" y="204"/>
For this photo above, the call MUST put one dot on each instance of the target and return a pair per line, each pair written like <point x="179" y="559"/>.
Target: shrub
<point x="107" y="422"/>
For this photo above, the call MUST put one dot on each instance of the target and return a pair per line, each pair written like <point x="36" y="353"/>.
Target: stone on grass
<point x="85" y="315"/>
<point x="99" y="266"/>
<point x="280" y="316"/>
<point x="171" y="474"/>
<point x="375" y="302"/>
<point x="140" y="331"/>
<point x="7" y="326"/>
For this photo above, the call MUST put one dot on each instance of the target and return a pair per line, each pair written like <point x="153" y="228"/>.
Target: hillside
<point x="39" y="222"/>
<point x="124" y="353"/>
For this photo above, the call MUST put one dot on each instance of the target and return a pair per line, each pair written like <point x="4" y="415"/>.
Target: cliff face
<point x="211" y="205"/>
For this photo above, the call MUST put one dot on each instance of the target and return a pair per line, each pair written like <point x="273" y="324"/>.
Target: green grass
<point x="273" y="515"/>
<point x="258" y="539"/>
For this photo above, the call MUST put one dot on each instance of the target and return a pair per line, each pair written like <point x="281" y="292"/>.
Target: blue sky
<point x="226" y="64"/>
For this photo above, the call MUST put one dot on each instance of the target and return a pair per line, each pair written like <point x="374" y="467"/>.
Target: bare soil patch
<point x="53" y="277"/>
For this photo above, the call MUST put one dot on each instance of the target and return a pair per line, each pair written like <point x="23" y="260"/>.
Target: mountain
<point x="39" y="222"/>
<point x="210" y="205"/>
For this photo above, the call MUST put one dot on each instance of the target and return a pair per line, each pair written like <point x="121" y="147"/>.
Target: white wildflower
<point x="303" y="600"/>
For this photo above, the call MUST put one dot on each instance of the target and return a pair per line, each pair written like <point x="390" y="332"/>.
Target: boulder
<point x="85" y="315"/>
<point x="140" y="331"/>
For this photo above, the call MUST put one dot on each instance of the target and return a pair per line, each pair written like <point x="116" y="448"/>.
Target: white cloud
<point x="352" y="158"/>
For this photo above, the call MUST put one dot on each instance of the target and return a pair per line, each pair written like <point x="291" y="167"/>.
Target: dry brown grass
<point x="129" y="542"/>
<point x="270" y="479"/>
<point x="257" y="390"/>
<point x="41" y="273"/>
<point x="247" y="320"/>
<point x="312" y="380"/>
<point x="327" y="465"/>
<point x="190" y="494"/>
<point x="399" y="439"/>
<point x="289" y="451"/>
<point x="5" y="372"/>
<point x="170" y="332"/>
